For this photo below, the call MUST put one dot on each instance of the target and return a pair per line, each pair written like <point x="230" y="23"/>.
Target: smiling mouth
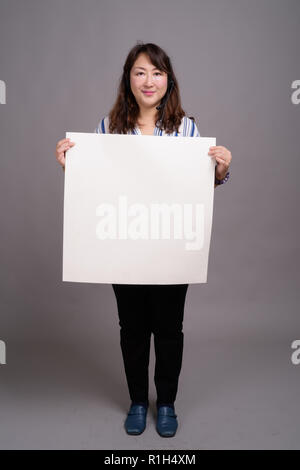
<point x="148" y="92"/>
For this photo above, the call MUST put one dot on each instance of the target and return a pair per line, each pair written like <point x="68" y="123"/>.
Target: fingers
<point x="218" y="155"/>
<point x="67" y="139"/>
<point x="65" y="146"/>
<point x="215" y="153"/>
<point x="61" y="148"/>
<point x="63" y="143"/>
<point x="221" y="160"/>
<point x="220" y="151"/>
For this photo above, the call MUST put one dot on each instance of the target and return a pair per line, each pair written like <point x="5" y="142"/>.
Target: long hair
<point x="123" y="116"/>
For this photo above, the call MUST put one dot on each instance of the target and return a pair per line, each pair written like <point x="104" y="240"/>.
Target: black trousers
<point x="145" y="309"/>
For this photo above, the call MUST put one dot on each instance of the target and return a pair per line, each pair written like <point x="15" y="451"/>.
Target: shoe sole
<point x="134" y="433"/>
<point x="166" y="435"/>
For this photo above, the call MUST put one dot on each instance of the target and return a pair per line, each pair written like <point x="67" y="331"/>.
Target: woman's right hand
<point x="61" y="147"/>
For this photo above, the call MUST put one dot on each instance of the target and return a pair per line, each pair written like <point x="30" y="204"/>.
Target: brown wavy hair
<point x="123" y="116"/>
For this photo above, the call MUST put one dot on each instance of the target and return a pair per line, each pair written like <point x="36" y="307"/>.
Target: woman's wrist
<point x="222" y="180"/>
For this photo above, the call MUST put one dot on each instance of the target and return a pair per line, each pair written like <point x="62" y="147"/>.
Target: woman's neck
<point x="147" y="117"/>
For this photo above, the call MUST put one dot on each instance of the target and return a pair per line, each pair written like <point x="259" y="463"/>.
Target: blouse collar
<point x="156" y="131"/>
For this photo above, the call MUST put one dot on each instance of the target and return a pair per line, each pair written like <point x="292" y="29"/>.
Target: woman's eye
<point x="156" y="73"/>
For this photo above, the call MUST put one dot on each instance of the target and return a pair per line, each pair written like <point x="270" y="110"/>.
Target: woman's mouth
<point x="148" y="93"/>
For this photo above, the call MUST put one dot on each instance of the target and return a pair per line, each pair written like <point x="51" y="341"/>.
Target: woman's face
<point x="144" y="76"/>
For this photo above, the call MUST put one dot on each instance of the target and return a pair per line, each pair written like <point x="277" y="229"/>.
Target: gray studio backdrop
<point x="63" y="384"/>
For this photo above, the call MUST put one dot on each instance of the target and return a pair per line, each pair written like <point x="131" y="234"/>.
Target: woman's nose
<point x="149" y="80"/>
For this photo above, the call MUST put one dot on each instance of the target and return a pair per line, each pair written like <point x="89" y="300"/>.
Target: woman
<point x="148" y="103"/>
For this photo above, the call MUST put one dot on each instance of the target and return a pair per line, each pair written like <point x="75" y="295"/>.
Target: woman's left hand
<point x="223" y="158"/>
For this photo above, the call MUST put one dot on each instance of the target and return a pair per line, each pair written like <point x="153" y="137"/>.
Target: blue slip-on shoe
<point x="136" y="419"/>
<point x="166" y="424"/>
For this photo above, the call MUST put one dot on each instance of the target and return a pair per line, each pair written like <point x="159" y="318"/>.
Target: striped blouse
<point x="187" y="128"/>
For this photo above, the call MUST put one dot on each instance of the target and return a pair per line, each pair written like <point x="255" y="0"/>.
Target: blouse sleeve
<point x="189" y="128"/>
<point x="102" y="127"/>
<point x="196" y="131"/>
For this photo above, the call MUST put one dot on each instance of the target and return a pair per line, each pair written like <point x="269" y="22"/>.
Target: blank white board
<point x="137" y="209"/>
